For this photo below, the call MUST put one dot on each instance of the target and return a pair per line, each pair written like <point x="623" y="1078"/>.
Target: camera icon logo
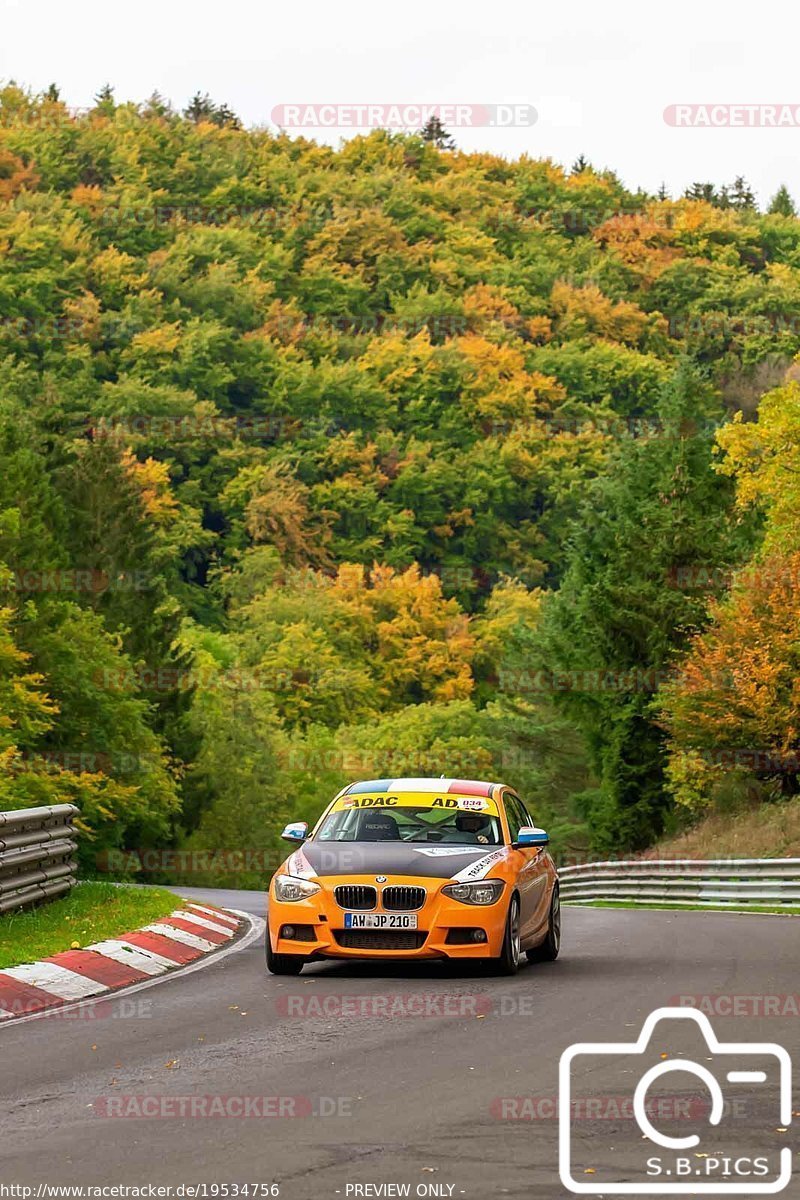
<point x="758" y="1078"/>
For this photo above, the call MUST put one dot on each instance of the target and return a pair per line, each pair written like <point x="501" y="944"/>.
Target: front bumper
<point x="439" y="921"/>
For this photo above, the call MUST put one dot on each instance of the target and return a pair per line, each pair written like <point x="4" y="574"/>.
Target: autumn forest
<point x="321" y="464"/>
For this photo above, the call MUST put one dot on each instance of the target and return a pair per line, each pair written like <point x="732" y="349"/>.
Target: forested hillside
<point x="323" y="464"/>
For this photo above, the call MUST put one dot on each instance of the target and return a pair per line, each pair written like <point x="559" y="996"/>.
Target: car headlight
<point x="485" y="892"/>
<point x="289" y="887"/>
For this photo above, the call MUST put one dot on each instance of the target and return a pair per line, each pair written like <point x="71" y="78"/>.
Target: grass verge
<point x="89" y="913"/>
<point x="762" y="831"/>
<point x="787" y="910"/>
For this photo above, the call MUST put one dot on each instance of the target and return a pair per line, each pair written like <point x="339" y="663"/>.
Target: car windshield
<point x="424" y="822"/>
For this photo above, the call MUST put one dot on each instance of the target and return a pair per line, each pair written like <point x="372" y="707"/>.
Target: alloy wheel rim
<point x="516" y="945"/>
<point x="556" y="919"/>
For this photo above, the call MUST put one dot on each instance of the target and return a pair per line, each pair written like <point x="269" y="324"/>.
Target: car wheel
<point x="508" y="962"/>
<point x="283" y="964"/>
<point x="548" y="951"/>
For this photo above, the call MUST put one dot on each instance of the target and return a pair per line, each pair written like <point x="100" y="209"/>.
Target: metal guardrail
<point x="738" y="882"/>
<point x="37" y="849"/>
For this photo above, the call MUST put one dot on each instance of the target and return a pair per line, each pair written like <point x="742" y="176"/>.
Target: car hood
<point x="430" y="860"/>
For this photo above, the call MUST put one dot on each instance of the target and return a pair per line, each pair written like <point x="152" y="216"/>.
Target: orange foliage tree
<point x="736" y="700"/>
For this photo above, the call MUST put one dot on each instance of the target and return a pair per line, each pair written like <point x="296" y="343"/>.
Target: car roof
<point x="455" y="787"/>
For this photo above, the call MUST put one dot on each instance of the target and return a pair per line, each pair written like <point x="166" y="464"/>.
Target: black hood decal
<point x="429" y="859"/>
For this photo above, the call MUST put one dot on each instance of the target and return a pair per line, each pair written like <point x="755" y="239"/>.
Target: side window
<point x="528" y="818"/>
<point x="517" y="817"/>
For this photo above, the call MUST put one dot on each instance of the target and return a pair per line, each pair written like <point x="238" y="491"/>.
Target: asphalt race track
<point x="429" y="1096"/>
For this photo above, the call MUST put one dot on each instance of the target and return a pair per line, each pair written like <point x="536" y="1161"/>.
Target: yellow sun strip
<point x="443" y="803"/>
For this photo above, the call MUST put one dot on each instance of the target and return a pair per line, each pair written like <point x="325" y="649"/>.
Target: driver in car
<point x="476" y="825"/>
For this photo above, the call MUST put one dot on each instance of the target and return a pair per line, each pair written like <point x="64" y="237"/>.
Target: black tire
<point x="548" y="951"/>
<point x="283" y="964"/>
<point x="508" y="962"/>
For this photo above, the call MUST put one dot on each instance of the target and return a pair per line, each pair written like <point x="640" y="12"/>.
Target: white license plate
<point x="380" y="920"/>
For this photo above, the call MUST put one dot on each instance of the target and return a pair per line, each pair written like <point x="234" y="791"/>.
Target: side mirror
<point x="530" y="835"/>
<point x="297" y="831"/>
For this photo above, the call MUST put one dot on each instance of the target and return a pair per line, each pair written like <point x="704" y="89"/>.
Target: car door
<point x="532" y="875"/>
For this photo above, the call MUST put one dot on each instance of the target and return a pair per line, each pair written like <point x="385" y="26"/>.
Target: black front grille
<point x="380" y="939"/>
<point x="403" y="898"/>
<point x="355" y="895"/>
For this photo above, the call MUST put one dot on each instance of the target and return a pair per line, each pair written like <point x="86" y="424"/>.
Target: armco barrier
<point x="738" y="882"/>
<point x="37" y="854"/>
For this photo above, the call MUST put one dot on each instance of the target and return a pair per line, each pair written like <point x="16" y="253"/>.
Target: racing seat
<point x="379" y="827"/>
